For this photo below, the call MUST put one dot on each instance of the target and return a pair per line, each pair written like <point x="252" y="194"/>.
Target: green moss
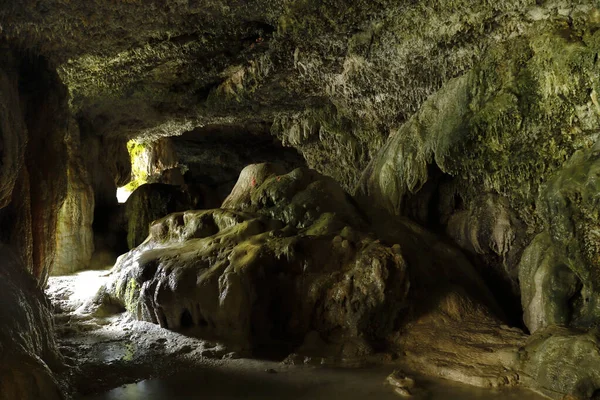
<point x="131" y="295"/>
<point x="526" y="116"/>
<point x="327" y="224"/>
<point x="139" y="164"/>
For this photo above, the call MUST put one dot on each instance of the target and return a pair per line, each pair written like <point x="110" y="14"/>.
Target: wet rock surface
<point x="286" y="265"/>
<point x="108" y="351"/>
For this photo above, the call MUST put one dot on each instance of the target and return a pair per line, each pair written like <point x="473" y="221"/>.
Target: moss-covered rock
<point x="266" y="273"/>
<point x="500" y="131"/>
<point x="298" y="198"/>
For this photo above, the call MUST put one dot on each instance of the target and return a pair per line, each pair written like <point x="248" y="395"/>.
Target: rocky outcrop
<point x="563" y="361"/>
<point x="559" y="270"/>
<point x="29" y="220"/>
<point x="473" y="160"/>
<point x="290" y="263"/>
<point x="33" y="184"/>
<point x="47" y="118"/>
<point x="28" y="352"/>
<point x="74" y="235"/>
<point x="150" y="202"/>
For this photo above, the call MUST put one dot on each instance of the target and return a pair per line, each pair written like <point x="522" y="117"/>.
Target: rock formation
<point x="28" y="351"/>
<point x="282" y="258"/>
<point x="430" y="185"/>
<point x="150" y="202"/>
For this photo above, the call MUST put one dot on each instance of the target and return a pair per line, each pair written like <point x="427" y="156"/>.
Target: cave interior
<point x="296" y="199"/>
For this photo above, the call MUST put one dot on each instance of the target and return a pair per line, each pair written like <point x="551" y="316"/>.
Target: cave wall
<point x="28" y="351"/>
<point x="497" y="156"/>
<point x="74" y="234"/>
<point x="34" y="125"/>
<point x="34" y="147"/>
<point x="478" y="120"/>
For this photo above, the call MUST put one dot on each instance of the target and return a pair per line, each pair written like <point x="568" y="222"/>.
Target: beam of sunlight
<point x="123" y="194"/>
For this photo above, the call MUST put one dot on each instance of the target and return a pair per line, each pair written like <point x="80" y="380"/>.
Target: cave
<point x="299" y="199"/>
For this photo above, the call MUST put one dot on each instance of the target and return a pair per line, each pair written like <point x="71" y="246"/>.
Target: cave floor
<point x="249" y="379"/>
<point x="115" y="357"/>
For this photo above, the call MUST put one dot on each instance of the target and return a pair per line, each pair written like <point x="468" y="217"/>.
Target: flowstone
<point x="282" y="258"/>
<point x="560" y="282"/>
<point x="150" y="202"/>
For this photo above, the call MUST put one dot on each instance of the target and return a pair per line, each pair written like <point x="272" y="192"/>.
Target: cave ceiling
<point x="156" y="68"/>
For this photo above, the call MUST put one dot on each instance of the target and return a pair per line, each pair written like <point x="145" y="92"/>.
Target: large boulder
<point x="278" y="270"/>
<point x="563" y="361"/>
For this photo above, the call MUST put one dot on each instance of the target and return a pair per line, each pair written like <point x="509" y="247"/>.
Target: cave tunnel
<point x="299" y="199"/>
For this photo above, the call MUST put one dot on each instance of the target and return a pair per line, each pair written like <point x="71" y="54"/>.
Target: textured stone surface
<point x="74" y="235"/>
<point x="28" y="351"/>
<point x="29" y="220"/>
<point x="150" y="202"/>
<point x="559" y="270"/>
<point x="473" y="159"/>
<point x="333" y="78"/>
<point x="563" y="361"/>
<point x="47" y="119"/>
<point x="273" y="272"/>
<point x="12" y="128"/>
<point x="476" y="119"/>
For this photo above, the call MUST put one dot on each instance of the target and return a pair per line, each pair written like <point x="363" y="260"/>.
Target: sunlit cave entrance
<point x="299" y="199"/>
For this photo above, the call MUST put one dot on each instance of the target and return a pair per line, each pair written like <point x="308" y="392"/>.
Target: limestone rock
<point x="74" y="235"/>
<point x="28" y="351"/>
<point x="564" y="361"/>
<point x="29" y="222"/>
<point x="560" y="283"/>
<point x="456" y="337"/>
<point x="150" y="202"/>
<point x="298" y="198"/>
<point x="250" y="277"/>
<point x="13" y="132"/>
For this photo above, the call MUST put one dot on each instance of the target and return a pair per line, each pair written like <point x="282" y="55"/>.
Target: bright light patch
<point x="86" y="284"/>
<point x="73" y="292"/>
<point x="139" y="154"/>
<point x="123" y="194"/>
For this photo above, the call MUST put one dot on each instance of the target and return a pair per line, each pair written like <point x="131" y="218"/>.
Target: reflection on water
<point x="295" y="383"/>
